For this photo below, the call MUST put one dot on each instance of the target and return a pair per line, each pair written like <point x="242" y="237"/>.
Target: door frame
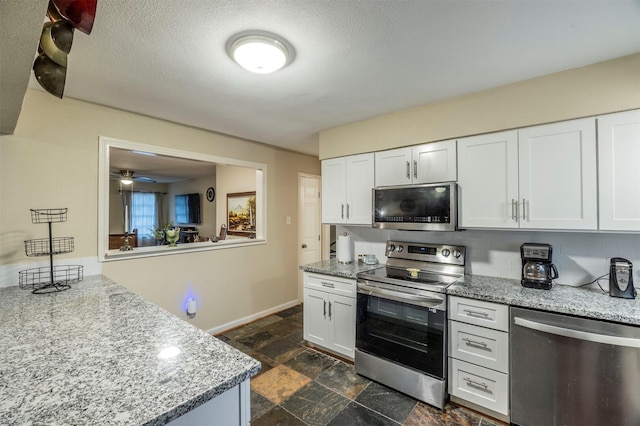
<point x="302" y="175"/>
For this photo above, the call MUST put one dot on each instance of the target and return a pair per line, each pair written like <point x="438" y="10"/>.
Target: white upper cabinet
<point x="558" y="175"/>
<point x="619" y="171"/>
<point x="427" y="163"/>
<point x="488" y="180"/>
<point x="541" y="177"/>
<point x="393" y="167"/>
<point x="346" y="189"/>
<point x="334" y="190"/>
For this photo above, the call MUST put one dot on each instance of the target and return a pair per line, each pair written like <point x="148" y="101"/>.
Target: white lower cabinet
<point x="481" y="386"/>
<point x="479" y="355"/>
<point x="233" y="407"/>
<point x="330" y="313"/>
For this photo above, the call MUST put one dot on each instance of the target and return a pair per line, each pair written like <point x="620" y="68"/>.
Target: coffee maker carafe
<point x="537" y="269"/>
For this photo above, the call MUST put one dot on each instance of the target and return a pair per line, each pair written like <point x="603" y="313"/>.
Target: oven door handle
<point x="398" y="296"/>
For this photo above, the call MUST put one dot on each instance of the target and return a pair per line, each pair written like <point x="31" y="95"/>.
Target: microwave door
<point x="420" y="207"/>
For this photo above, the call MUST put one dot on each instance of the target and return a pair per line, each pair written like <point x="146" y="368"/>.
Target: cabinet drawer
<point x="479" y="385"/>
<point x="478" y="345"/>
<point x="329" y="284"/>
<point x="477" y="312"/>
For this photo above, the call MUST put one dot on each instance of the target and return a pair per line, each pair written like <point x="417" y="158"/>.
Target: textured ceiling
<point x="354" y="59"/>
<point x="20" y="27"/>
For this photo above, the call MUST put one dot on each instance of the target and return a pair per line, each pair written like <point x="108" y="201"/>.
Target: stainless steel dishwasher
<point x="568" y="370"/>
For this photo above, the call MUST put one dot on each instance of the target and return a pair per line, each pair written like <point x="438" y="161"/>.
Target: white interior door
<point x="309" y="228"/>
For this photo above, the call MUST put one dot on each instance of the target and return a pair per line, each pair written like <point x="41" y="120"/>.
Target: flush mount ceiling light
<point x="260" y="52"/>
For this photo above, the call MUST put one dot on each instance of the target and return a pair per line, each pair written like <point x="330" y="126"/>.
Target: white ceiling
<point x="354" y="58"/>
<point x="157" y="168"/>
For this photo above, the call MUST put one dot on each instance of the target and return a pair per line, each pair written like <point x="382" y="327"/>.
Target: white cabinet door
<point x="342" y="324"/>
<point x="334" y="190"/>
<point x="619" y="171"/>
<point x="346" y="189"/>
<point x="359" y="183"/>
<point x="329" y="315"/>
<point x="558" y="176"/>
<point x="427" y="163"/>
<point x="488" y="180"/>
<point x="315" y="319"/>
<point x="434" y="162"/>
<point x="393" y="167"/>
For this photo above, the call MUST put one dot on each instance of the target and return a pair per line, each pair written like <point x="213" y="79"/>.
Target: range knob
<point x="392" y="247"/>
<point x="457" y="254"/>
<point x="400" y="249"/>
<point x="446" y="252"/>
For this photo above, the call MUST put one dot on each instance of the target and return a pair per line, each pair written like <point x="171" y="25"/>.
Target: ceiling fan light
<point x="127" y="177"/>
<point x="261" y="54"/>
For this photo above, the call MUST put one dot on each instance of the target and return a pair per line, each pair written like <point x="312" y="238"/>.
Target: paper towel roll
<point x="344" y="249"/>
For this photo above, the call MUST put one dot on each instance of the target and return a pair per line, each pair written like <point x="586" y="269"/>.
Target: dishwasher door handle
<point x="604" y="339"/>
<point x="412" y="299"/>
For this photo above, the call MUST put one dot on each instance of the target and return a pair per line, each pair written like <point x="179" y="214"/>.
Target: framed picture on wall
<point x="241" y="213"/>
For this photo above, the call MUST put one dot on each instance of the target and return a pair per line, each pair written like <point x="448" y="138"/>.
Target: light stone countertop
<point x="89" y="355"/>
<point x="337" y="269"/>
<point x="584" y="302"/>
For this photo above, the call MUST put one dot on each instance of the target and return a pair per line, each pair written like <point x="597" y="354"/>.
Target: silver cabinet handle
<point x="476" y="313"/>
<point x="347" y="210"/>
<point x="524" y="211"/>
<point x="474" y="342"/>
<point x="408" y="171"/>
<point x="342" y="211"/>
<point x="324" y="310"/>
<point x="577" y="334"/>
<point x="415" y="169"/>
<point x="514" y="210"/>
<point x="474" y="383"/>
<point x="329" y="310"/>
<point x="326" y="284"/>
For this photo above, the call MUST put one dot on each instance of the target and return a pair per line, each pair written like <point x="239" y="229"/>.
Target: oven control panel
<point x="437" y="253"/>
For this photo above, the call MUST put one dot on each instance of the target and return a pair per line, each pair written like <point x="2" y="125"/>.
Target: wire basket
<point x="40" y="247"/>
<point x="48" y="215"/>
<point x="39" y="277"/>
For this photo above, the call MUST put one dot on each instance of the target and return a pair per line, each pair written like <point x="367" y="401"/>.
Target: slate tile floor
<point x="299" y="385"/>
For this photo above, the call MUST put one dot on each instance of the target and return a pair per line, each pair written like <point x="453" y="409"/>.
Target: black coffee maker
<point x="537" y="269"/>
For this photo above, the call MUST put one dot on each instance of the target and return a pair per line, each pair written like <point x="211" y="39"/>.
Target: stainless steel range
<point x="401" y="322"/>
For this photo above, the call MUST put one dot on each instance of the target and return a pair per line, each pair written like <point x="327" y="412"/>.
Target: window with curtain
<point x="143" y="213"/>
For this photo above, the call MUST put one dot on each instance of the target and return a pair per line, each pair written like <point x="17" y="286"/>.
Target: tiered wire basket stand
<point x="52" y="278"/>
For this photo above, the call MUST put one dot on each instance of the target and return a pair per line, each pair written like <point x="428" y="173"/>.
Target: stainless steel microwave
<point x="430" y="207"/>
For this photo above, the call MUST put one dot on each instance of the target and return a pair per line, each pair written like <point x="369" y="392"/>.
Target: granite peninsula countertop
<point x="584" y="302"/>
<point x="90" y="355"/>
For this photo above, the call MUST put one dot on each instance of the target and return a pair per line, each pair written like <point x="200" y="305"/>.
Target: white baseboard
<point x="9" y="273"/>
<point x="246" y="320"/>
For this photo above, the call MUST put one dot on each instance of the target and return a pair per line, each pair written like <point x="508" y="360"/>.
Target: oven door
<point x="406" y="328"/>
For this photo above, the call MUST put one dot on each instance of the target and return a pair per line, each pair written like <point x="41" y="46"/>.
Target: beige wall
<point x="207" y="210"/>
<point x="52" y="161"/>
<point x="600" y="88"/>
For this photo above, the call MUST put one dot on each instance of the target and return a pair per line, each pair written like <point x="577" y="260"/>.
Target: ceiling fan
<point x="126" y="177"/>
